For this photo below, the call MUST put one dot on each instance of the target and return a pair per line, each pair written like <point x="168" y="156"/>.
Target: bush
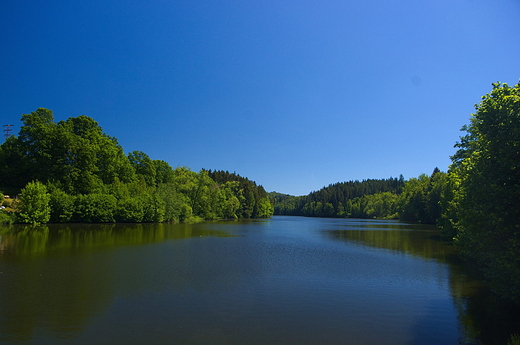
<point x="130" y="210"/>
<point x="6" y="217"/>
<point x="35" y="204"/>
<point x="94" y="208"/>
<point x="62" y="206"/>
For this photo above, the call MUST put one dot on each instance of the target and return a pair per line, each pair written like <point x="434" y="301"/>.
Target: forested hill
<point x="71" y="171"/>
<point x="343" y="199"/>
<point x="254" y="198"/>
<point x="343" y="191"/>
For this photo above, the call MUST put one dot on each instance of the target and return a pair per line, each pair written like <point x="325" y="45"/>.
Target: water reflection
<point x="485" y="318"/>
<point x="58" y="277"/>
<point x="26" y="240"/>
<point x="416" y="240"/>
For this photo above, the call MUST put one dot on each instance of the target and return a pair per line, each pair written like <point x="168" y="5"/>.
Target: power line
<point x="7" y="131"/>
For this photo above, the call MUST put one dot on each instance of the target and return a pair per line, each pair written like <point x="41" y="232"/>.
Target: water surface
<point x="286" y="280"/>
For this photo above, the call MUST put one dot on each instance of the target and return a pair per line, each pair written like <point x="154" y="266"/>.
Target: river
<point x="285" y="280"/>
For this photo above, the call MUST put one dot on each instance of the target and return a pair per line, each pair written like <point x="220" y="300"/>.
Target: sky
<point x="293" y="94"/>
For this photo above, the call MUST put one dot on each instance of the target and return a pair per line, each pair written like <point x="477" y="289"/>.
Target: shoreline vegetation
<point x="71" y="171"/>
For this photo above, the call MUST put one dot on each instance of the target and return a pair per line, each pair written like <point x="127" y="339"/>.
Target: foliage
<point x="143" y="166"/>
<point x="94" y="208"/>
<point x="74" y="154"/>
<point x="90" y="179"/>
<point x="62" y="206"/>
<point x="35" y="204"/>
<point x="6" y="217"/>
<point x="163" y="172"/>
<point x="487" y="166"/>
<point x="264" y="209"/>
<point x="254" y="200"/>
<point x="176" y="205"/>
<point x="130" y="210"/>
<point x="448" y="205"/>
<point x="380" y="205"/>
<point x="345" y="199"/>
<point x="424" y="199"/>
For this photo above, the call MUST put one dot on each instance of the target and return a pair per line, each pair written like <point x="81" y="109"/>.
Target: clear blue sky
<point x="294" y="94"/>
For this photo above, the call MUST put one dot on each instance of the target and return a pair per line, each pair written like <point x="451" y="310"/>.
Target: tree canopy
<point x="486" y="169"/>
<point x="82" y="174"/>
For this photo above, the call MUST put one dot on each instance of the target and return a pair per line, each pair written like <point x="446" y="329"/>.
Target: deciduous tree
<point x="487" y="165"/>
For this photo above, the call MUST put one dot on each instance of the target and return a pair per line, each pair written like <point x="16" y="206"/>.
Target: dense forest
<point x="71" y="171"/>
<point x="417" y="199"/>
<point x="476" y="204"/>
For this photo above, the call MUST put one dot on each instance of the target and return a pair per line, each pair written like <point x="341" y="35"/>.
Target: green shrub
<point x="130" y="210"/>
<point x="6" y="217"/>
<point x="35" y="204"/>
<point x="94" y="208"/>
<point x="62" y="206"/>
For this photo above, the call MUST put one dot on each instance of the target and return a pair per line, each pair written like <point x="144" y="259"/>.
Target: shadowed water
<point x="287" y="280"/>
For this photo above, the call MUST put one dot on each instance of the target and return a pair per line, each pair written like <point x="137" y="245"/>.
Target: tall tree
<point x="487" y="164"/>
<point x="37" y="141"/>
<point x="74" y="154"/>
<point x="89" y="157"/>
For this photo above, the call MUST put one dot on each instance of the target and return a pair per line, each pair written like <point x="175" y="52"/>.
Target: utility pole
<point x="7" y="131"/>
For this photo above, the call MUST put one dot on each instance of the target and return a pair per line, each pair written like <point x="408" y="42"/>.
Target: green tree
<point x="446" y="185"/>
<point x="381" y="205"/>
<point x="487" y="165"/>
<point x="176" y="205"/>
<point x="75" y="154"/>
<point x="163" y="171"/>
<point x="86" y="158"/>
<point x="144" y="166"/>
<point x="35" y="203"/>
<point x="36" y="140"/>
<point x="413" y="200"/>
<point x="265" y="209"/>
<point x="16" y="170"/>
<point x="247" y="192"/>
<point x="154" y="208"/>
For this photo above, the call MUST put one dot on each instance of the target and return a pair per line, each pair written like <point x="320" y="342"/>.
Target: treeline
<point x="421" y="200"/>
<point x="71" y="171"/>
<point x="345" y="199"/>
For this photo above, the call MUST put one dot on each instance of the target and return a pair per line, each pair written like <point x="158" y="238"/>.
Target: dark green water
<point x="287" y="280"/>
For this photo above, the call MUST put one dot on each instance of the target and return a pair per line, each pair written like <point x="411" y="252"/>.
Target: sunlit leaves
<point x="90" y="179"/>
<point x="35" y="203"/>
<point x="488" y="191"/>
